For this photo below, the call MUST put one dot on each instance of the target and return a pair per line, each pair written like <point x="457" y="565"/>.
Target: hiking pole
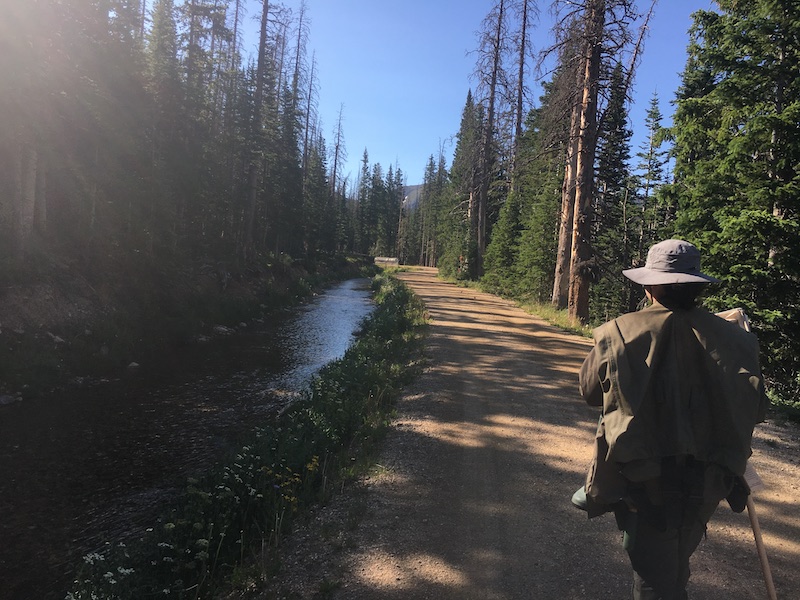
<point x="751" y="477"/>
<point x="762" y="551"/>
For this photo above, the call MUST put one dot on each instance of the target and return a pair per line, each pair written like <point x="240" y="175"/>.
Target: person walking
<point x="681" y="390"/>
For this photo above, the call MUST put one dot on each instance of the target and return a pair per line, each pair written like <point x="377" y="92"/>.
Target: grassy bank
<point x="226" y="519"/>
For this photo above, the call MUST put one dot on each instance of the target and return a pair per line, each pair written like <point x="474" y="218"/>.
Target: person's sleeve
<point x="589" y="380"/>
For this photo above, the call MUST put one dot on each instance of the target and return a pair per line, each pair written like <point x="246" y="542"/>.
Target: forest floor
<point x="470" y="497"/>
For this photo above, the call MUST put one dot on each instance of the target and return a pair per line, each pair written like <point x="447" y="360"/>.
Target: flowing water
<point x="92" y="463"/>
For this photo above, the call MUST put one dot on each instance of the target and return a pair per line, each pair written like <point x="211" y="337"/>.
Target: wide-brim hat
<point x="670" y="262"/>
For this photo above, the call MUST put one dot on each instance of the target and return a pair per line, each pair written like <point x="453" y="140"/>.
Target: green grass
<point x="783" y="407"/>
<point x="557" y="317"/>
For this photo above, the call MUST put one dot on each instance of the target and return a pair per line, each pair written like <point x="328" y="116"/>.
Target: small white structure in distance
<point x="386" y="261"/>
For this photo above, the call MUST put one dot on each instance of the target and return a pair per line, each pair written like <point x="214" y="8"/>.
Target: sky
<point x="400" y="70"/>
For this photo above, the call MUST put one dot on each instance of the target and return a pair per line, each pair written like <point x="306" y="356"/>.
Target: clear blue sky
<point x="401" y="71"/>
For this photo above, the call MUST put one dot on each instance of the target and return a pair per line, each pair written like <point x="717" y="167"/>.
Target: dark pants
<point x="660" y="554"/>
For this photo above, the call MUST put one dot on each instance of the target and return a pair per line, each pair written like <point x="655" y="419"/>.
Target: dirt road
<point x="471" y="499"/>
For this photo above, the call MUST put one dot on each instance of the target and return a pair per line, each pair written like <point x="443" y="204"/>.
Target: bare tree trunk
<point x="519" y="109"/>
<point x="580" y="272"/>
<point x="279" y="56"/>
<point x="338" y="150"/>
<point x="309" y="106"/>
<point x="215" y="67"/>
<point x="233" y="63"/>
<point x="298" y="54"/>
<point x="488" y="138"/>
<point x="561" y="279"/>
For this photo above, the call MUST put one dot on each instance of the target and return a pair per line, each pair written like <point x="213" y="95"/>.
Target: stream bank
<point x="66" y="321"/>
<point x="100" y="461"/>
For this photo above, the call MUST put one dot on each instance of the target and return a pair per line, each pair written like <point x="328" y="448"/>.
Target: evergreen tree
<point x="501" y="254"/>
<point x="613" y="207"/>
<point x="319" y="231"/>
<point x="284" y="183"/>
<point x="657" y="211"/>
<point x="361" y="208"/>
<point x="165" y="85"/>
<point x="542" y="148"/>
<point x="737" y="151"/>
<point x="117" y="138"/>
<point x="29" y="59"/>
<point x="390" y="214"/>
<point x="459" y="252"/>
<point x="376" y="218"/>
<point x="428" y="217"/>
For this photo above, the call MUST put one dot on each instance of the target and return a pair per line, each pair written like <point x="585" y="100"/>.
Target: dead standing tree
<point x="574" y="74"/>
<point x="585" y="150"/>
<point x="491" y="77"/>
<point x="599" y="29"/>
<point x="527" y="10"/>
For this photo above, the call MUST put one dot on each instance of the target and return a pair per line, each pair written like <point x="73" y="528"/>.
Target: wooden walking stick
<point x="762" y="551"/>
<point x="754" y="483"/>
<point x="752" y="479"/>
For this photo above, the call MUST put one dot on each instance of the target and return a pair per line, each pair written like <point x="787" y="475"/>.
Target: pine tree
<point x="257" y="149"/>
<point x="165" y="86"/>
<point x="657" y="214"/>
<point x="319" y="230"/>
<point x="501" y="254"/>
<point x="362" y="208"/>
<point x="428" y="217"/>
<point x="460" y="251"/>
<point x="737" y="151"/>
<point x="284" y="183"/>
<point x="542" y="149"/>
<point x="25" y="66"/>
<point x="612" y="235"/>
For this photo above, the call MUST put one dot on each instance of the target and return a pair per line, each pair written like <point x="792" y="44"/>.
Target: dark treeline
<point x="138" y="127"/>
<point x="549" y="202"/>
<point x="138" y="130"/>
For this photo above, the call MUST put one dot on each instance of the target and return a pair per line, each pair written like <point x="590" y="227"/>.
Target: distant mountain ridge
<point x="412" y="194"/>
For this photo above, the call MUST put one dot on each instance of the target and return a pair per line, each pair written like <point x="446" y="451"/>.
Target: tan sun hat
<point x="669" y="262"/>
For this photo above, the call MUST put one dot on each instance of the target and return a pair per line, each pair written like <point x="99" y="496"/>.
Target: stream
<point x="95" y="462"/>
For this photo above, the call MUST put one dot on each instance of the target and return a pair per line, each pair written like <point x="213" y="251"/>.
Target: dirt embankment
<point x="471" y="496"/>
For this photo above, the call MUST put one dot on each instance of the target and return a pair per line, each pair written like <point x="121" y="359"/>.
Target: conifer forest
<point x="131" y="126"/>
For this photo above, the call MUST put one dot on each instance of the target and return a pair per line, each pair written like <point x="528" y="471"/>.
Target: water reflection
<point x="322" y="332"/>
<point x="92" y="464"/>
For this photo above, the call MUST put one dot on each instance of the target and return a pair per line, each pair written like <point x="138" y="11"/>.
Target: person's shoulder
<point x="700" y="315"/>
<point x="707" y="322"/>
<point x="653" y="316"/>
<point x="629" y="325"/>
